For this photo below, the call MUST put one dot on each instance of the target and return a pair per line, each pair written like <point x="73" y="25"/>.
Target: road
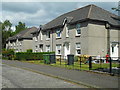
<point x="13" y="77"/>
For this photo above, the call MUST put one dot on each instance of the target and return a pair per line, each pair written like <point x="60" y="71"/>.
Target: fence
<point x="110" y="65"/>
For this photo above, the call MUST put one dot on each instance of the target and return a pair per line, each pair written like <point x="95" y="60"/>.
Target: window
<point x="78" y="49"/>
<point x="112" y="49"/>
<point x="58" y="49"/>
<point x="67" y="31"/>
<point x="47" y="48"/>
<point x="58" y="33"/>
<point x="48" y="35"/>
<point x="78" y="30"/>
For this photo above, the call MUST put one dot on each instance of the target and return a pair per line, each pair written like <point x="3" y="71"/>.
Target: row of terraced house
<point x="89" y="30"/>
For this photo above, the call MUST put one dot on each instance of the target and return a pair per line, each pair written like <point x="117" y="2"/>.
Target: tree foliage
<point x="21" y="26"/>
<point x="8" y="32"/>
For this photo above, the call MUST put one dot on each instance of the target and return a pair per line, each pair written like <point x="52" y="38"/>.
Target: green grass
<point x="76" y="65"/>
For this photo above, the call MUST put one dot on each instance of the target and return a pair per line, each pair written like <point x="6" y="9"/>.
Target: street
<point x="13" y="77"/>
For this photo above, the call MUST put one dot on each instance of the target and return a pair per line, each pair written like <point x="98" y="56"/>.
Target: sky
<point x="40" y="13"/>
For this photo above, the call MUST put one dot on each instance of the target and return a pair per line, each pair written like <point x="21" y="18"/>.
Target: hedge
<point x="31" y="56"/>
<point x="8" y="54"/>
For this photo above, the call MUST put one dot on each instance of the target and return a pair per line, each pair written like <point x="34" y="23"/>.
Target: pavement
<point x="88" y="79"/>
<point x="13" y="77"/>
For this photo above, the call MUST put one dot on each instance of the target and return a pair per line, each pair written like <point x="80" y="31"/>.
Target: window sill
<point x="47" y="39"/>
<point x="78" y="35"/>
<point x="59" y="54"/>
<point x="58" y="37"/>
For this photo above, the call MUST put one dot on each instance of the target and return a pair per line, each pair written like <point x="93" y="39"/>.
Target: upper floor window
<point x="47" y="48"/>
<point x="48" y="35"/>
<point x="58" y="33"/>
<point x="58" y="49"/>
<point x="78" y="49"/>
<point x="78" y="30"/>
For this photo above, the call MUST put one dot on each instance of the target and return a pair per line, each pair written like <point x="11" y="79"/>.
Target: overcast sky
<point x="39" y="13"/>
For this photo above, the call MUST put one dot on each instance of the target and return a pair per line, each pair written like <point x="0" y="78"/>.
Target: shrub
<point x="83" y="58"/>
<point x="8" y="54"/>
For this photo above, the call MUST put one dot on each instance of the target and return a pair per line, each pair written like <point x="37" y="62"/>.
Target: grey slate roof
<point x="25" y="34"/>
<point x="91" y="12"/>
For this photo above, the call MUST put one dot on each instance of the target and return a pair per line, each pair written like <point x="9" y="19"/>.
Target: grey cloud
<point x="27" y="7"/>
<point x="36" y="13"/>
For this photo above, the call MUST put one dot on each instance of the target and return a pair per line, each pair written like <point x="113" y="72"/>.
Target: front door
<point x="114" y="51"/>
<point x="66" y="50"/>
<point x="41" y="47"/>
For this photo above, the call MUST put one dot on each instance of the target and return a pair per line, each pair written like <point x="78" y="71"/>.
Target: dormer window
<point x="78" y="30"/>
<point x="47" y="35"/>
<point x="58" y="33"/>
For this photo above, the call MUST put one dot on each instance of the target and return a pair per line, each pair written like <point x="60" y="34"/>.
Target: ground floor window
<point x="78" y="49"/>
<point x="47" y="48"/>
<point x="58" y="49"/>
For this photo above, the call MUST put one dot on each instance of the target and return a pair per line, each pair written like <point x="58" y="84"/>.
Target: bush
<point x="31" y="56"/>
<point x="83" y="58"/>
<point x="8" y="54"/>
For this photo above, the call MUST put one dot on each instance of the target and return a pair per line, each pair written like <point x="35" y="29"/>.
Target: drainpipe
<point x="52" y="40"/>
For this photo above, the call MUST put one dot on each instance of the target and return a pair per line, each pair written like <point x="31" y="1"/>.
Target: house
<point x="21" y="41"/>
<point x="89" y="30"/>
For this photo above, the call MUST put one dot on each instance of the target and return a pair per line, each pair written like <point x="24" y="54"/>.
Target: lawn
<point x="76" y="65"/>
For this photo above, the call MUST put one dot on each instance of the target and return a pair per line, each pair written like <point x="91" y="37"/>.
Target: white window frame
<point x="58" y="31"/>
<point x="47" y="35"/>
<point x="78" y="48"/>
<point x="47" y="48"/>
<point x="78" y="28"/>
<point x="60" y="46"/>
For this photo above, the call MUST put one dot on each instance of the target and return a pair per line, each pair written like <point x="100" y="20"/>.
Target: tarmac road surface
<point x="13" y="77"/>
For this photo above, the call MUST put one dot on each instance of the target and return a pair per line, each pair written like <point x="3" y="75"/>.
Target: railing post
<point x="90" y="63"/>
<point x="80" y="63"/>
<point x="60" y="59"/>
<point x="110" y="64"/>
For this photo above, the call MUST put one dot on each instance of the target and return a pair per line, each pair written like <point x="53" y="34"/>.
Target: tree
<point x="21" y="26"/>
<point x="6" y="31"/>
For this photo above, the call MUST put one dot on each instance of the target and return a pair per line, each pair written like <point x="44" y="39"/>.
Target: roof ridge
<point x="69" y="12"/>
<point x="90" y="11"/>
